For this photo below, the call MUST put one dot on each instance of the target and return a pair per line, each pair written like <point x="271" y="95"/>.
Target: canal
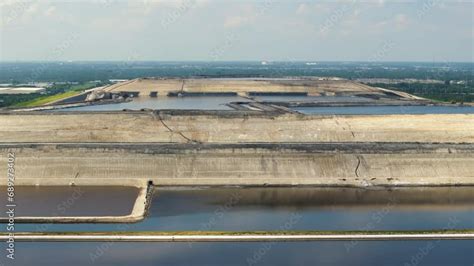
<point x="384" y="110"/>
<point x="389" y="253"/>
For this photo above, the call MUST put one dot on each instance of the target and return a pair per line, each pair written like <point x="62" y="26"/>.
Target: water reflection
<point x="184" y="103"/>
<point x="316" y="209"/>
<point x="316" y="99"/>
<point x="71" y="201"/>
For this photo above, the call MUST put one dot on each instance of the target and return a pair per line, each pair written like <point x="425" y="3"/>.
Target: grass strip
<point x="70" y="92"/>
<point x="47" y="99"/>
<point x="244" y="233"/>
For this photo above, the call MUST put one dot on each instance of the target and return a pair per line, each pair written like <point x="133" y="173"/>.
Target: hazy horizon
<point x="236" y="61"/>
<point x="237" y="31"/>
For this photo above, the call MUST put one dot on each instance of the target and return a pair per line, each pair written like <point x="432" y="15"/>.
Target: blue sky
<point x="216" y="30"/>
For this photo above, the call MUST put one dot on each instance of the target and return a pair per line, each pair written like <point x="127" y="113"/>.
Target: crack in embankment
<point x="189" y="140"/>
<point x="182" y="86"/>
<point x="356" y="171"/>
<point x="348" y="126"/>
<point x="350" y="129"/>
<point x="73" y="182"/>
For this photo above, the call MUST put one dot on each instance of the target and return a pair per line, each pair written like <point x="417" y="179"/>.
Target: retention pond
<point x="259" y="209"/>
<point x="40" y="201"/>
<point x="182" y="103"/>
<point x="384" y="110"/>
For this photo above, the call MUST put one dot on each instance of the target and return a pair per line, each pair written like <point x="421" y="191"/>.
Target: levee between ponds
<point x="26" y="237"/>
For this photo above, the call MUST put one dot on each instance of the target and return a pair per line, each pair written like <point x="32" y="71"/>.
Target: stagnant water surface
<point x="268" y="209"/>
<point x="318" y="99"/>
<point x="247" y="209"/>
<point x="71" y="201"/>
<point x="160" y="103"/>
<point x="362" y="253"/>
<point x="219" y="103"/>
<point x="385" y="110"/>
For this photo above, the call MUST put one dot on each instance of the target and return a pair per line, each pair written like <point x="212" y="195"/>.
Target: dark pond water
<point x="71" y="201"/>
<point x="186" y="103"/>
<point x="389" y="253"/>
<point x="303" y="98"/>
<point x="301" y="208"/>
<point x="385" y="110"/>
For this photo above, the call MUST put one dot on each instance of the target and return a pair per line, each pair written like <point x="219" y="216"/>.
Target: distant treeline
<point x="12" y="99"/>
<point x="18" y="73"/>
<point x="86" y="71"/>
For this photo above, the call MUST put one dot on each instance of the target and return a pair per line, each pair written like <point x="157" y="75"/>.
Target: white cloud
<point x="32" y="9"/>
<point x="288" y="26"/>
<point x="50" y="11"/>
<point x="401" y="21"/>
<point x="146" y="7"/>
<point x="235" y="21"/>
<point x="302" y="9"/>
<point x="170" y="3"/>
<point x="315" y="9"/>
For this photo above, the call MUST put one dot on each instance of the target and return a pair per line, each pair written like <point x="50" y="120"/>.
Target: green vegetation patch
<point x="53" y="94"/>
<point x="47" y="99"/>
